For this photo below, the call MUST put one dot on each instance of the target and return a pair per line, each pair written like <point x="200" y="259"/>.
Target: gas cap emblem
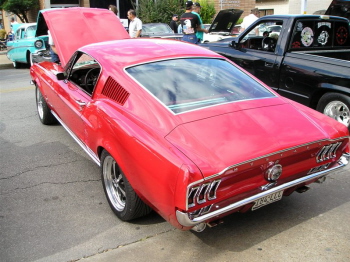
<point x="273" y="173"/>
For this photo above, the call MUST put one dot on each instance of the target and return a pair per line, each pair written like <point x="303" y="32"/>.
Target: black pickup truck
<point x="303" y="57"/>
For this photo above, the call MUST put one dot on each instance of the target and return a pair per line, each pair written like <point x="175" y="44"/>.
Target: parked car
<point x="24" y="44"/>
<point x="159" y="30"/>
<point x="339" y="8"/>
<point x="305" y="58"/>
<point x="223" y="26"/>
<point x="178" y="128"/>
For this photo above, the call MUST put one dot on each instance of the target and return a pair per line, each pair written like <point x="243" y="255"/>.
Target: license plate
<point x="267" y="200"/>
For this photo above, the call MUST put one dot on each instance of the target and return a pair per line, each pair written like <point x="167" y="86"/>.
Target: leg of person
<point x="190" y="38"/>
<point x="54" y="56"/>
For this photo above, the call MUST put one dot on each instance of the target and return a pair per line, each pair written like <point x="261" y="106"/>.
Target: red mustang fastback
<point x="175" y="127"/>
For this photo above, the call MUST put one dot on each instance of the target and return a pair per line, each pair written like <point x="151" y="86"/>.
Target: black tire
<point x="121" y="197"/>
<point x="336" y="106"/>
<point x="16" y="64"/>
<point x="29" y="59"/>
<point x="44" y="112"/>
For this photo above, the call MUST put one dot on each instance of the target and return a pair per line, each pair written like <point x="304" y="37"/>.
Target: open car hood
<point x="225" y="20"/>
<point x="339" y="8"/>
<point x="72" y="28"/>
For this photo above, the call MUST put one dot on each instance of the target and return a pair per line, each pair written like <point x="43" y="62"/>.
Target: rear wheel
<point x="16" y="64"/>
<point x="336" y="106"/>
<point x="44" y="112"/>
<point x="121" y="197"/>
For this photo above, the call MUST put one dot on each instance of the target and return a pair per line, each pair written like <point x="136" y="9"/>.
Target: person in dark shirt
<point x="190" y="24"/>
<point x="173" y="24"/>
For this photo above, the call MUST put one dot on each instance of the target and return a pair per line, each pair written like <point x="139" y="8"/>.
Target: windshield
<point x="193" y="83"/>
<point x="156" y="29"/>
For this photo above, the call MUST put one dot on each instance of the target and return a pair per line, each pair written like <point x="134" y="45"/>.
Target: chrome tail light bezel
<point x="200" y="194"/>
<point x="327" y="152"/>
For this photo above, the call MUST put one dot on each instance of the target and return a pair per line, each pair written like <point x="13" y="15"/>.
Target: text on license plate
<point x="267" y="200"/>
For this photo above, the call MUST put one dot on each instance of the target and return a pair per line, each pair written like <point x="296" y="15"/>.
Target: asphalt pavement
<point x="309" y="227"/>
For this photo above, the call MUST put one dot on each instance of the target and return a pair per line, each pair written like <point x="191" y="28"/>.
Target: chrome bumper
<point x="185" y="220"/>
<point x="41" y="56"/>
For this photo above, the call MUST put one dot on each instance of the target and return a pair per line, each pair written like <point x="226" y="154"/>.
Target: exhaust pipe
<point x="199" y="227"/>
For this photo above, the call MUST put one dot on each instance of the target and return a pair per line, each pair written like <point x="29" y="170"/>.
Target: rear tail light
<point x="201" y="194"/>
<point x="327" y="152"/>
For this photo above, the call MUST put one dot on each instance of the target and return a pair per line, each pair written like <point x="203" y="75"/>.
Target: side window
<point x="30" y="32"/>
<point x="264" y="36"/>
<point x="85" y="72"/>
<point x="18" y="34"/>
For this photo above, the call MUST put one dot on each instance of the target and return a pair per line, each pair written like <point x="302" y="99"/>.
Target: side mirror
<point x="234" y="44"/>
<point x="61" y="76"/>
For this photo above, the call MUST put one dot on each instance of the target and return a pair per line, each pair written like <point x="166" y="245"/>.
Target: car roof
<point x="123" y="53"/>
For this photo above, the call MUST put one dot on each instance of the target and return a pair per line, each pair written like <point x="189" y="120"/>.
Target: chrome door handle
<point x="80" y="103"/>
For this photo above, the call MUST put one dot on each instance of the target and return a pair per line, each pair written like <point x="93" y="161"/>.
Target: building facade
<point x="266" y="7"/>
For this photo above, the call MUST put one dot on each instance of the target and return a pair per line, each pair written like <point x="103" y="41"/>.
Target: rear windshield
<point x="193" y="83"/>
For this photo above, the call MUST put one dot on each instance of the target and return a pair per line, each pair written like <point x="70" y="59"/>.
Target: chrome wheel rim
<point x="114" y="183"/>
<point x="339" y="111"/>
<point x="39" y="102"/>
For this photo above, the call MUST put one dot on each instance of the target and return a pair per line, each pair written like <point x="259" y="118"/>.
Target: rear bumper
<point x="185" y="218"/>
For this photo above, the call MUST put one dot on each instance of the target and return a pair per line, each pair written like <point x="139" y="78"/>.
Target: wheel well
<point x="319" y="93"/>
<point x="28" y="57"/>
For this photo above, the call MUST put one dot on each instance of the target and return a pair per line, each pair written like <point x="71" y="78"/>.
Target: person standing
<point x="190" y="24"/>
<point x="135" y="26"/>
<point x="249" y="19"/>
<point x="53" y="50"/>
<point x="173" y="23"/>
<point x="114" y="9"/>
<point x="196" y="10"/>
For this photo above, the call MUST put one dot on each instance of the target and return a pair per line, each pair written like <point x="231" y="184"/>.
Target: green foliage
<point x="19" y="7"/>
<point x="207" y="11"/>
<point x="154" y="11"/>
<point x="161" y="11"/>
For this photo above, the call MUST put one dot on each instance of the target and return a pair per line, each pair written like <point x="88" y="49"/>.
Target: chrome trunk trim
<point x="185" y="220"/>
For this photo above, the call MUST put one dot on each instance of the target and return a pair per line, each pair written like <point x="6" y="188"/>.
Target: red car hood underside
<point x="218" y="142"/>
<point x="72" y="28"/>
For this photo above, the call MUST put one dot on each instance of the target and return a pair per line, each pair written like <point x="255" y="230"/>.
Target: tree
<point x="207" y="11"/>
<point x="154" y="11"/>
<point x="19" y="7"/>
<point x="161" y="11"/>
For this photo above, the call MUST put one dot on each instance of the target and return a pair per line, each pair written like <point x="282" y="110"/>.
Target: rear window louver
<point x="115" y="91"/>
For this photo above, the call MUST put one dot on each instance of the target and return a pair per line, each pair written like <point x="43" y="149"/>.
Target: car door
<point x="256" y="51"/>
<point x="17" y="43"/>
<point x="75" y="92"/>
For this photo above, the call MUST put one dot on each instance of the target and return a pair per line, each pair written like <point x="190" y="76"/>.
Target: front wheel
<point x="121" y="197"/>
<point x="336" y="106"/>
<point x="44" y="112"/>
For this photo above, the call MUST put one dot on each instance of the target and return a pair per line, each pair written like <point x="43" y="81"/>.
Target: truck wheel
<point x="44" y="112"/>
<point x="336" y="106"/>
<point x="121" y="197"/>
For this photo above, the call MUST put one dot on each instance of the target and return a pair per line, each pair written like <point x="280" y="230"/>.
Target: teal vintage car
<point x="24" y="44"/>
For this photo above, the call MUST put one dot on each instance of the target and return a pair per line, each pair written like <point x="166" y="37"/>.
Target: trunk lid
<point x="217" y="142"/>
